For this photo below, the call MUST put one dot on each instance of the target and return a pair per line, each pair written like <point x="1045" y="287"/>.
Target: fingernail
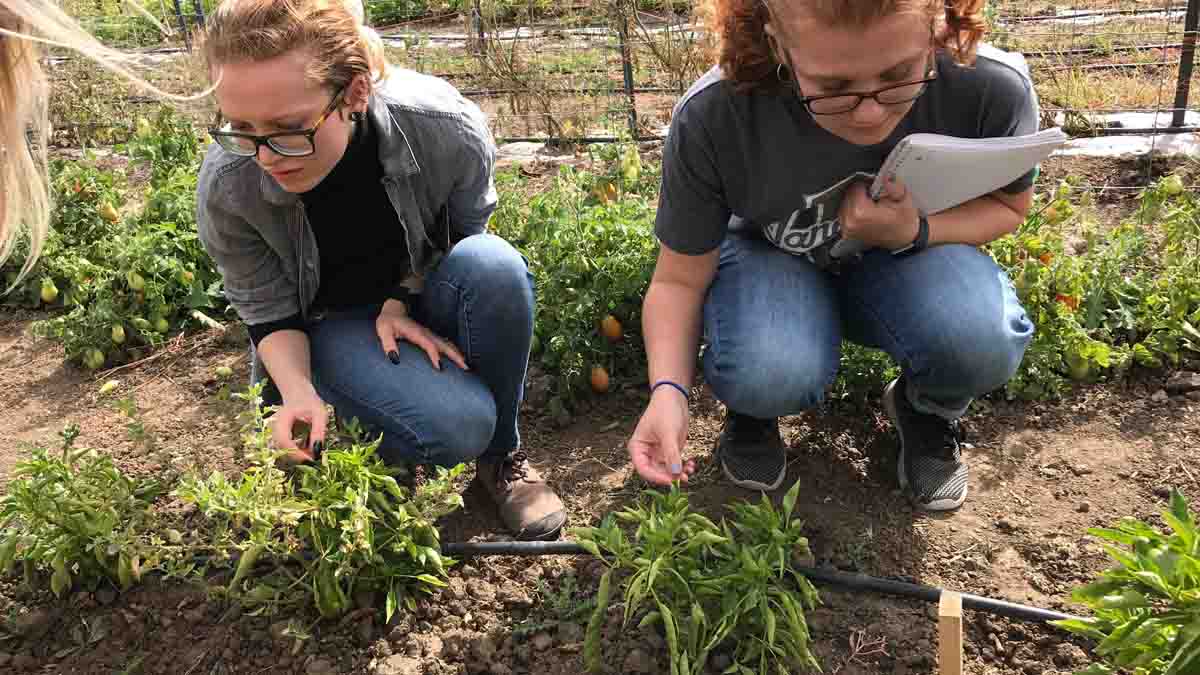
<point x="317" y="448"/>
<point x="394" y="357"/>
<point x="675" y="468"/>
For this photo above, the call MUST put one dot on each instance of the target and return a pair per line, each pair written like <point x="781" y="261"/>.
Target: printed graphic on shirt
<point x="815" y="226"/>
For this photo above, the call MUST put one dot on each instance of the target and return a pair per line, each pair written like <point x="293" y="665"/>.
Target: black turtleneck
<point x="360" y="242"/>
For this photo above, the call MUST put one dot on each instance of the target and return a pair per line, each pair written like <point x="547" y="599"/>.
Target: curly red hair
<point x="744" y="50"/>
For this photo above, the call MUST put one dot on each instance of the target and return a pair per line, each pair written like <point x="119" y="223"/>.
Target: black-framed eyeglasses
<point x="839" y="104"/>
<point x="298" y="143"/>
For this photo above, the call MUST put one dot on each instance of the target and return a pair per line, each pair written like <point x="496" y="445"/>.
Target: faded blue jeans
<point x="480" y="297"/>
<point x="774" y="324"/>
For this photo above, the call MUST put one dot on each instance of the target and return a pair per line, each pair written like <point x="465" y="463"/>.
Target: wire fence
<point x="563" y="72"/>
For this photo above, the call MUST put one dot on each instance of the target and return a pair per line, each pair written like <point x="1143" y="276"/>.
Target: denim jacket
<point x="438" y="158"/>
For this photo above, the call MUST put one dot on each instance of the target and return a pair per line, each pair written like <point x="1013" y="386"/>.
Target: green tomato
<point x="118" y="333"/>
<point x="49" y="291"/>
<point x="1173" y="185"/>
<point x="161" y="325"/>
<point x="136" y="282"/>
<point x="93" y="358"/>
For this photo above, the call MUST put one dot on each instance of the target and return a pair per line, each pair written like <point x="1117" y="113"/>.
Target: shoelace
<point x="945" y="435"/>
<point x="514" y="467"/>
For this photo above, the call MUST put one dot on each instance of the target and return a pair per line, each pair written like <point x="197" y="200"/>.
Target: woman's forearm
<point x="286" y="356"/>
<point x="671" y="329"/>
<point x="978" y="221"/>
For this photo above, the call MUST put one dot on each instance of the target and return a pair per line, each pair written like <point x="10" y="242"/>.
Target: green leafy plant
<point x="74" y="515"/>
<point x="329" y="532"/>
<point x="1120" y="298"/>
<point x="1147" y="607"/>
<point x="709" y="586"/>
<point x="123" y="273"/>
<point x="590" y="247"/>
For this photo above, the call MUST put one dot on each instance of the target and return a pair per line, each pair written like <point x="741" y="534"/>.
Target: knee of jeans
<point x="492" y="265"/>
<point x="984" y="362"/>
<point x="768" y="387"/>
<point x="462" y="433"/>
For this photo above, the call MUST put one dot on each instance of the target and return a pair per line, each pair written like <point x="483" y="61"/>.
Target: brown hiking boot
<point x="527" y="505"/>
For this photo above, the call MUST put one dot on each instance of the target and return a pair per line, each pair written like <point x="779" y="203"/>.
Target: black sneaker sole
<point x="889" y="405"/>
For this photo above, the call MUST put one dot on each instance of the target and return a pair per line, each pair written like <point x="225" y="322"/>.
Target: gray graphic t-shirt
<point x="759" y="162"/>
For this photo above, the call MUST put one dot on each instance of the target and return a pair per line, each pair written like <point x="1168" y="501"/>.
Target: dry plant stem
<point x="172" y="350"/>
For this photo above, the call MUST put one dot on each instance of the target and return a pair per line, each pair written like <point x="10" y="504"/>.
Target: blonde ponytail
<point x="26" y="25"/>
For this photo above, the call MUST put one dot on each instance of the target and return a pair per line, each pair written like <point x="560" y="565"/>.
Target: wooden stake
<point x="950" y="649"/>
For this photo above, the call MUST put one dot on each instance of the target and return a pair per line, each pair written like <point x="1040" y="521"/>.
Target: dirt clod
<point x="1182" y="383"/>
<point x="399" y="665"/>
<point x="1069" y="656"/>
<point x="320" y="667"/>
<point x="542" y="641"/>
<point x="638" y="661"/>
<point x="35" y="623"/>
<point x="481" y="590"/>
<point x="106" y="595"/>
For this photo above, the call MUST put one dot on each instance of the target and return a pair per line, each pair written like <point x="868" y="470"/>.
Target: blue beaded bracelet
<point x="669" y="383"/>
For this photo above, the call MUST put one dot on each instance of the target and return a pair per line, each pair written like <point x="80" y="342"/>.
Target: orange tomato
<point x="611" y="328"/>
<point x="1068" y="300"/>
<point x="599" y="379"/>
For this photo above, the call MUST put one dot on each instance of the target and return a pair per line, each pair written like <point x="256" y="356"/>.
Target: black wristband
<point x="401" y="294"/>
<point x="920" y="243"/>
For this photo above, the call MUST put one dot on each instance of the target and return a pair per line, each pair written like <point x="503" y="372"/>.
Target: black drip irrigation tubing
<point x="844" y="580"/>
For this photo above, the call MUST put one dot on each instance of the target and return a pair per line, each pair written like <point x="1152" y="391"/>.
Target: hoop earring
<point x="357" y="116"/>
<point x="779" y="73"/>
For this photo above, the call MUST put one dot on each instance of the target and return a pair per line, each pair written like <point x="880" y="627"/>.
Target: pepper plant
<point x="729" y="586"/>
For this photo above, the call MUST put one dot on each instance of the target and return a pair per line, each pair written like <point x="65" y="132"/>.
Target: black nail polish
<point x="394" y="357"/>
<point x="316" y="451"/>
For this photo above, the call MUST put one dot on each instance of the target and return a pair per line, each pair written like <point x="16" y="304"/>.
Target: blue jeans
<point x="774" y="324"/>
<point x="481" y="298"/>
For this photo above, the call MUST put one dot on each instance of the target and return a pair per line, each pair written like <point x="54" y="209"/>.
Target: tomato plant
<point x="119" y="279"/>
<point x="1128" y="298"/>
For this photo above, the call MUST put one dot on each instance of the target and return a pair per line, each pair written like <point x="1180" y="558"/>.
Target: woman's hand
<point x="308" y="408"/>
<point x="659" y="437"/>
<point x="394" y="323"/>
<point x="890" y="223"/>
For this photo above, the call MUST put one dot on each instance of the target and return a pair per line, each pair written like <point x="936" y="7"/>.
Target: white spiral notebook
<point x="942" y="172"/>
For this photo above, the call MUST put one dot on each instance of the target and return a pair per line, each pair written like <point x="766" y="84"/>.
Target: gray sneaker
<point x="751" y="452"/>
<point x="931" y="467"/>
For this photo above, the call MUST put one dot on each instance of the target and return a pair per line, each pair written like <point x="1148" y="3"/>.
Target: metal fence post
<point x="477" y="23"/>
<point x="622" y="19"/>
<point x="1187" y="60"/>
<point x="183" y="27"/>
<point x="198" y="19"/>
